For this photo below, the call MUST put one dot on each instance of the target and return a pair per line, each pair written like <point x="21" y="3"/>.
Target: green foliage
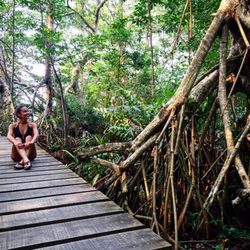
<point x="139" y="16"/>
<point x="118" y="33"/>
<point x="83" y="116"/>
<point x="55" y="145"/>
<point x="235" y="233"/>
<point x="91" y="172"/>
<point x="75" y="161"/>
<point x="192" y="219"/>
<point x="230" y="231"/>
<point x="125" y="108"/>
<point x="114" y="100"/>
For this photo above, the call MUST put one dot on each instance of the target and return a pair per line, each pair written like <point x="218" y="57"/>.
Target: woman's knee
<point x="18" y="139"/>
<point x="28" y="138"/>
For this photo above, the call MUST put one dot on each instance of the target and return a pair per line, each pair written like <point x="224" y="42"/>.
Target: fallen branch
<point x="105" y="163"/>
<point x="104" y="148"/>
<point x="132" y="158"/>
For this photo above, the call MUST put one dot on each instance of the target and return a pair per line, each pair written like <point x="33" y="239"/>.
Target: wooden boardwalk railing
<point x="50" y="207"/>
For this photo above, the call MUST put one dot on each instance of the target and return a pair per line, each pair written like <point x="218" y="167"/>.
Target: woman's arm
<point x="10" y="134"/>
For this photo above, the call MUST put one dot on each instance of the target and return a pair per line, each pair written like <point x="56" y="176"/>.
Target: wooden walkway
<point x="50" y="207"/>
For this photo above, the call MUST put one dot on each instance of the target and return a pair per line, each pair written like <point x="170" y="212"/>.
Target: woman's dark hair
<point x="18" y="109"/>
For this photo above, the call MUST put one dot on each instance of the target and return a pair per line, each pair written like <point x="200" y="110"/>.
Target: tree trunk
<point x="48" y="66"/>
<point x="151" y="48"/>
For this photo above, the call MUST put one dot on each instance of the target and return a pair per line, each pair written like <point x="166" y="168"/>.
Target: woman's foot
<point x="19" y="165"/>
<point x="27" y="165"/>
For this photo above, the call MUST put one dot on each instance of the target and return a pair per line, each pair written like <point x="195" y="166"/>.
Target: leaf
<point x="95" y="179"/>
<point x="71" y="155"/>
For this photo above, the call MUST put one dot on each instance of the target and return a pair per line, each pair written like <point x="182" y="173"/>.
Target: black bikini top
<point x="17" y="132"/>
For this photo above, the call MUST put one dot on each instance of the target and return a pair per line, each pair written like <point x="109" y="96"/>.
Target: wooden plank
<point x="20" y="174"/>
<point x="44" y="192"/>
<point x="40" y="184"/>
<point x="7" y="157"/>
<point x="23" y="173"/>
<point x="136" y="240"/>
<point x="44" y="155"/>
<point x="37" y="160"/>
<point x="56" y="215"/>
<point x="40" y="154"/>
<point x="7" y="148"/>
<point x="38" y="211"/>
<point x="43" y="235"/>
<point x="34" y="164"/>
<point x="5" y="145"/>
<point x="8" y="165"/>
<point x="27" y="179"/>
<point x="6" y="153"/>
<point x="50" y="202"/>
<point x="36" y="168"/>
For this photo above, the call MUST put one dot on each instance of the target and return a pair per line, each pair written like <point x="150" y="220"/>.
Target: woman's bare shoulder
<point x="13" y="125"/>
<point x="33" y="124"/>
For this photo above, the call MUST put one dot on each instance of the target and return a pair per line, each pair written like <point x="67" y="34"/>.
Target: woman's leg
<point x="15" y="155"/>
<point x="19" y="154"/>
<point x="31" y="150"/>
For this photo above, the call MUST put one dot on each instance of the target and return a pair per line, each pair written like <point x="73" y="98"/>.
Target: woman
<point x="23" y="136"/>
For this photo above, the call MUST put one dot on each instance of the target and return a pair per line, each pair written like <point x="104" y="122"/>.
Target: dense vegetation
<point x="96" y="73"/>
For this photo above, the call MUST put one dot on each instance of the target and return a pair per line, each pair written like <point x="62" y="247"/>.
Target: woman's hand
<point x="27" y="144"/>
<point x="18" y="144"/>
